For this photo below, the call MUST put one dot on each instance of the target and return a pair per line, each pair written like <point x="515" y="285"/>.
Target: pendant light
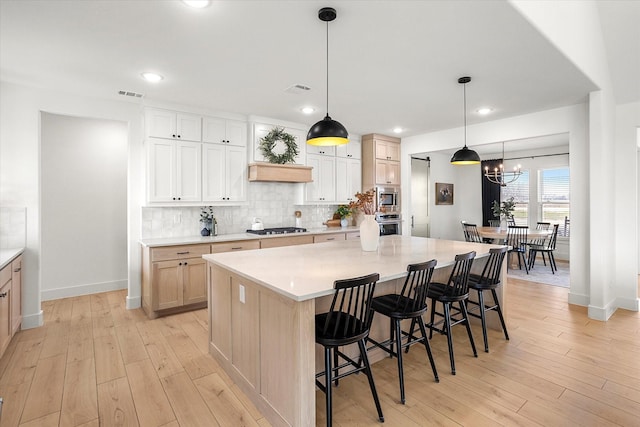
<point x="465" y="156"/>
<point x="327" y="131"/>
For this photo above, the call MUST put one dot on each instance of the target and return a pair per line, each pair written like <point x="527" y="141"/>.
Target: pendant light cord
<point x="464" y="97"/>
<point x="327" y="68"/>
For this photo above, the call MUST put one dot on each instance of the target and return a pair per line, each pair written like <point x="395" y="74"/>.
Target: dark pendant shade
<point x="327" y="132"/>
<point x="465" y="156"/>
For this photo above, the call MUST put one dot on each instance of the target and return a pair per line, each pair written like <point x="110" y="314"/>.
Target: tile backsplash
<point x="13" y="227"/>
<point x="275" y="203"/>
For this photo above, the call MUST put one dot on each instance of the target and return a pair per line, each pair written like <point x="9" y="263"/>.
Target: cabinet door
<point x="387" y="172"/>
<point x="236" y="133"/>
<point x="16" y="294"/>
<point x="323" y="174"/>
<point x="236" y="173"/>
<point x="348" y="179"/>
<point x="354" y="178"/>
<point x="5" y="316"/>
<point x="323" y="151"/>
<point x="387" y="150"/>
<point x="166" y="287"/>
<point x="194" y="283"/>
<point x="188" y="127"/>
<point x="188" y="171"/>
<point x="213" y="174"/>
<point x="160" y="123"/>
<point x="352" y="150"/>
<point x="160" y="171"/>
<point x="213" y="130"/>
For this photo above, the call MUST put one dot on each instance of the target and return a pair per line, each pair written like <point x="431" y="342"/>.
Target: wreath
<point x="268" y="143"/>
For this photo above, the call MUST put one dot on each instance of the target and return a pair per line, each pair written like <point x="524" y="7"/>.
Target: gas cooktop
<point x="280" y="230"/>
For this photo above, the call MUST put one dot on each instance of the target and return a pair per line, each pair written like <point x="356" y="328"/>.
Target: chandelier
<point x="500" y="176"/>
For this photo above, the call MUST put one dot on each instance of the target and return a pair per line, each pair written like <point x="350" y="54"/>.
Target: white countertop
<point x="8" y="255"/>
<point x="190" y="240"/>
<point x="308" y="271"/>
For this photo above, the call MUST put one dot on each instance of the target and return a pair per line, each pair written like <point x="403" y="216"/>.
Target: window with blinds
<point x="553" y="195"/>
<point x="519" y="190"/>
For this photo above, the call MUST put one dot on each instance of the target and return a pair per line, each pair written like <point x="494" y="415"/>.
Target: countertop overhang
<point x="8" y="255"/>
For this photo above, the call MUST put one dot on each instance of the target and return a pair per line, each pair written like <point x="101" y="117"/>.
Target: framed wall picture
<point x="444" y="194"/>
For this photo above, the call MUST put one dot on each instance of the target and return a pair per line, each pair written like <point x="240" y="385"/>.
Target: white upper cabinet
<point x="173" y="125"/>
<point x="222" y="131"/>
<point x="348" y="179"/>
<point x="323" y="151"/>
<point x="351" y="150"/>
<point x="173" y="171"/>
<point x="323" y="186"/>
<point x="224" y="173"/>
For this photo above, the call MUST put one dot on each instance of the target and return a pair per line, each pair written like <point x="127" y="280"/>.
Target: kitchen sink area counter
<point x="262" y="307"/>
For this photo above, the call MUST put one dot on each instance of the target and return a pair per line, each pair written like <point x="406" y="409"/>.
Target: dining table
<point x="500" y="235"/>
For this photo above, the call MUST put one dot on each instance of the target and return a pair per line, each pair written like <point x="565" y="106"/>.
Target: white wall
<point x="20" y="109"/>
<point x="83" y="205"/>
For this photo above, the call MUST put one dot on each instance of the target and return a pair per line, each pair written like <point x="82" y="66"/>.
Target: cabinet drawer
<point x="5" y="275"/>
<point x="328" y="237"/>
<point x="277" y="242"/>
<point x="242" y="245"/>
<point x="179" y="252"/>
<point x="353" y="235"/>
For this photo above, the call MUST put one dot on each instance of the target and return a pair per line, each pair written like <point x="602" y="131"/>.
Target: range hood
<point x="270" y="172"/>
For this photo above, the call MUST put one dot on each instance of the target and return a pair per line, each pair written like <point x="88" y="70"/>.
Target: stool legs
<point x="372" y="386"/>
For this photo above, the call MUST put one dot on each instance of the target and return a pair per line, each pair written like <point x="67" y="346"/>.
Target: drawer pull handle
<point x="236" y="248"/>
<point x="2" y="295"/>
<point x="332" y="238"/>
<point x="183" y="253"/>
<point x="17" y="270"/>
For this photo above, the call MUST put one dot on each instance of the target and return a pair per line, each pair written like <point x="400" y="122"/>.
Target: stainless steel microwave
<point x="388" y="199"/>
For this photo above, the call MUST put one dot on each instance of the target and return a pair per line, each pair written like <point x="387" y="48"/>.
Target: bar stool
<point x="347" y="322"/>
<point x="411" y="303"/>
<point x="488" y="281"/>
<point x="455" y="290"/>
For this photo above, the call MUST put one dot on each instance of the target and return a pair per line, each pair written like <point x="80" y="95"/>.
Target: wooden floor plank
<point x="116" y="405"/>
<point x="51" y="420"/>
<point x="45" y="395"/>
<point x="187" y="404"/>
<point x="80" y="400"/>
<point x="152" y="405"/>
<point x="222" y="402"/>
<point x="131" y="346"/>
<point x="109" y="364"/>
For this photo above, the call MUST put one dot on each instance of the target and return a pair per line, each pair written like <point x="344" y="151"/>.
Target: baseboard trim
<point x="578" y="299"/>
<point x="601" y="313"/>
<point x="33" y="320"/>
<point x="133" y="302"/>
<point x="632" y="304"/>
<point x="91" y="288"/>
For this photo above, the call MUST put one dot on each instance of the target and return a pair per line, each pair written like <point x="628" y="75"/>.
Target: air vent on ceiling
<point x="127" y="93"/>
<point x="297" y="88"/>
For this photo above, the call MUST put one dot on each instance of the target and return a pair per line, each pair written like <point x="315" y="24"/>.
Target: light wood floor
<point x="96" y="363"/>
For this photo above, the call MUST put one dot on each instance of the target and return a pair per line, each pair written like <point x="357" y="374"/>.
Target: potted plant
<point x="206" y="219"/>
<point x="503" y="211"/>
<point x="344" y="212"/>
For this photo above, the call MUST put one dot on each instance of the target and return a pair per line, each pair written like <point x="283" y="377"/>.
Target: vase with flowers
<point x="208" y="222"/>
<point x="369" y="228"/>
<point x="503" y="211"/>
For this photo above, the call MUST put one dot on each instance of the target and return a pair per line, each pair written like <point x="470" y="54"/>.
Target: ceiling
<point x="390" y="63"/>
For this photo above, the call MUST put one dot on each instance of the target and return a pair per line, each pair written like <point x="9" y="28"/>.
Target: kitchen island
<point x="262" y="305"/>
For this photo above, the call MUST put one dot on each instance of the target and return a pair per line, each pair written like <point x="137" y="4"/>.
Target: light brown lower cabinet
<point x="10" y="302"/>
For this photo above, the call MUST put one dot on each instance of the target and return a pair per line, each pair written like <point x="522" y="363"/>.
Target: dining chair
<point x="546" y="248"/>
<point x="455" y="290"/>
<point x="539" y="241"/>
<point x="348" y="321"/>
<point x="517" y="239"/>
<point x="471" y="233"/>
<point x="488" y="280"/>
<point x="410" y="303"/>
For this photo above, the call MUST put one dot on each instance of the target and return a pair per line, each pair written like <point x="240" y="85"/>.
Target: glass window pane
<point x="554" y="198"/>
<point x="519" y="190"/>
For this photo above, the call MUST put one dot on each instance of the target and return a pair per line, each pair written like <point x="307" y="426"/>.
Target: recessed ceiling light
<point x="152" y="77"/>
<point x="198" y="4"/>
<point x="308" y="110"/>
<point x="397" y="130"/>
<point x="484" y="110"/>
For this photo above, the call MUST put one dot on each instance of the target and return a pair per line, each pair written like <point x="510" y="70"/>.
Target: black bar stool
<point x="411" y="303"/>
<point x="455" y="290"/>
<point x="488" y="281"/>
<point x="347" y="322"/>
